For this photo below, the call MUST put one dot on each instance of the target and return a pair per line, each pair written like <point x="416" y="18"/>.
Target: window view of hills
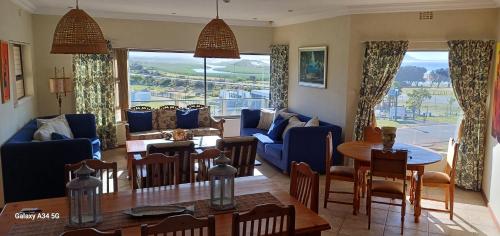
<point x="160" y="78"/>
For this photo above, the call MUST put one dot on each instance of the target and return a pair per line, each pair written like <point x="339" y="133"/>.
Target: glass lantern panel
<point x="223" y="191"/>
<point x="86" y="202"/>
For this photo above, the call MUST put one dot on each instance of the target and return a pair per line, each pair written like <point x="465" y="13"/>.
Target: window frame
<point x="204" y="73"/>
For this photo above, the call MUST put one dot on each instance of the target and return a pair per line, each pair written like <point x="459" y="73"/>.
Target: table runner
<point x="117" y="219"/>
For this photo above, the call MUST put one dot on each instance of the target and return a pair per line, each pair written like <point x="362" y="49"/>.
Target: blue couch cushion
<point x="140" y="120"/>
<point x="251" y="131"/>
<point x="25" y="134"/>
<point x="274" y="150"/>
<point x="277" y="128"/>
<point x="187" y="118"/>
<point x="58" y="136"/>
<point x="249" y="118"/>
<point x="77" y="121"/>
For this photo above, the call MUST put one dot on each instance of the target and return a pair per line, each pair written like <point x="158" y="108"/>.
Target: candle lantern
<point x="222" y="184"/>
<point x="84" y="195"/>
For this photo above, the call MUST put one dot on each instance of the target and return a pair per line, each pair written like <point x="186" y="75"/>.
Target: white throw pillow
<point x="266" y="119"/>
<point x="293" y="122"/>
<point x="44" y="133"/>
<point x="59" y="124"/>
<point x="314" y="122"/>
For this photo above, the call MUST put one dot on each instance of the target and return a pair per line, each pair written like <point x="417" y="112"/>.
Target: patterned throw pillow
<point x="204" y="117"/>
<point x="266" y="119"/>
<point x="285" y="114"/>
<point x="292" y="122"/>
<point x="165" y="119"/>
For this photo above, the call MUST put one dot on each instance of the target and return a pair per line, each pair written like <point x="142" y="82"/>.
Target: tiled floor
<point x="471" y="217"/>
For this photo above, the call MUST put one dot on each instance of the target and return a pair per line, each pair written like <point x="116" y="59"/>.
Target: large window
<point x="226" y="85"/>
<point x="421" y="102"/>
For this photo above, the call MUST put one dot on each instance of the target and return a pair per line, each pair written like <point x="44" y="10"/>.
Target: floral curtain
<point x="95" y="93"/>
<point x="279" y="76"/>
<point x="469" y="71"/>
<point x="380" y="65"/>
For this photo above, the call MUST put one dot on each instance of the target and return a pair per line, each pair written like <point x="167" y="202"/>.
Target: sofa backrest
<point x="82" y="126"/>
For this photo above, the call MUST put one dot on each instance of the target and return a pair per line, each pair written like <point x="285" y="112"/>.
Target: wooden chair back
<point x="182" y="149"/>
<point x="155" y="170"/>
<point x="390" y="163"/>
<point x="329" y="153"/>
<point x="266" y="219"/>
<point x="242" y="152"/>
<point x="304" y="185"/>
<point x="168" y="107"/>
<point x="182" y="225"/>
<point x="107" y="172"/>
<point x="451" y="158"/>
<point x="90" y="232"/>
<point x="200" y="163"/>
<point x="196" y="106"/>
<point x="372" y="134"/>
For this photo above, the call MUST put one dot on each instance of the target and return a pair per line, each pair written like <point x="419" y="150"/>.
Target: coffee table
<point x="138" y="148"/>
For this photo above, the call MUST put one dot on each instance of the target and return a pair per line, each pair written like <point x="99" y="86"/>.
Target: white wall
<point x="491" y="175"/>
<point x="16" y="25"/>
<point x="139" y="34"/>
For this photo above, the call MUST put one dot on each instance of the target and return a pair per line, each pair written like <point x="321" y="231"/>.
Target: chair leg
<point x="327" y="192"/>
<point x="369" y="207"/>
<point x="452" y="199"/>
<point x="403" y="213"/>
<point x="363" y="185"/>
<point x="446" y="198"/>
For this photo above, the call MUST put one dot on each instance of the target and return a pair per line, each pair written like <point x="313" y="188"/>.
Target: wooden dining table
<point x="307" y="221"/>
<point x="418" y="158"/>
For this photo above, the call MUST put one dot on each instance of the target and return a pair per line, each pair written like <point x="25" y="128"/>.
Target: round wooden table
<point x="418" y="158"/>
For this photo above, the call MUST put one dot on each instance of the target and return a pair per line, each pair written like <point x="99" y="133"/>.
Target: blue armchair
<point x="301" y="144"/>
<point x="35" y="170"/>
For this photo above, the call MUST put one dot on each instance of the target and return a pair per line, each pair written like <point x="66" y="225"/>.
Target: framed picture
<point x="495" y="126"/>
<point x="4" y="71"/>
<point x="312" y="66"/>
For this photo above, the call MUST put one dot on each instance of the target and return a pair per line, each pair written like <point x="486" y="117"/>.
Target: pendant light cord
<point x="77" y="4"/>
<point x="216" y="6"/>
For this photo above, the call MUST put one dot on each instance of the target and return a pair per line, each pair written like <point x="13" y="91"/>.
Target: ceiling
<point x="245" y="12"/>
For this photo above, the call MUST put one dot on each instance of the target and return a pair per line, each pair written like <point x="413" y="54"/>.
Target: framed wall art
<point x="312" y="66"/>
<point x="4" y="71"/>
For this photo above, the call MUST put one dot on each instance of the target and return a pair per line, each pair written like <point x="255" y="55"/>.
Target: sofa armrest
<point x="218" y="124"/>
<point x="249" y="118"/>
<point x="35" y="170"/>
<point x="307" y="144"/>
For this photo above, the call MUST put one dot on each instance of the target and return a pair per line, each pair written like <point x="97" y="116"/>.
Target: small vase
<point x="388" y="137"/>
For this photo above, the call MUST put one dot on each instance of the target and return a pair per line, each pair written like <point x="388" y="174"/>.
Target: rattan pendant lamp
<point x="217" y="40"/>
<point x="78" y="33"/>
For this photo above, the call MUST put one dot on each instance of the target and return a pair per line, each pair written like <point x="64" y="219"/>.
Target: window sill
<point x="22" y="101"/>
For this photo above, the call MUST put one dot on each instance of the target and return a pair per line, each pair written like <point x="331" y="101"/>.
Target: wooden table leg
<point x="356" y="200"/>
<point x="418" y="194"/>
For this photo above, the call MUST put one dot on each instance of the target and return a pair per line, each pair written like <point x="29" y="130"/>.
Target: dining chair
<point x="90" y="232"/>
<point x="199" y="164"/>
<point x="278" y="221"/>
<point x="195" y="106"/>
<point x="391" y="164"/>
<point x="184" y="224"/>
<point x="155" y="170"/>
<point x="242" y="152"/>
<point x="339" y="173"/>
<point x="443" y="180"/>
<point x="107" y="172"/>
<point x="304" y="185"/>
<point x="168" y="107"/>
<point x="182" y="149"/>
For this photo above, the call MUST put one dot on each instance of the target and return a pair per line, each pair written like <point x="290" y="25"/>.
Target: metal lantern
<point x="84" y="195"/>
<point x="222" y="184"/>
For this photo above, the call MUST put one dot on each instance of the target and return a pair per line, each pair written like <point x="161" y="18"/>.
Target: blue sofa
<point x="35" y="170"/>
<point x="301" y="144"/>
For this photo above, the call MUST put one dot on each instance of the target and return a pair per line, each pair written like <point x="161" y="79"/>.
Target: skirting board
<point x="495" y="219"/>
